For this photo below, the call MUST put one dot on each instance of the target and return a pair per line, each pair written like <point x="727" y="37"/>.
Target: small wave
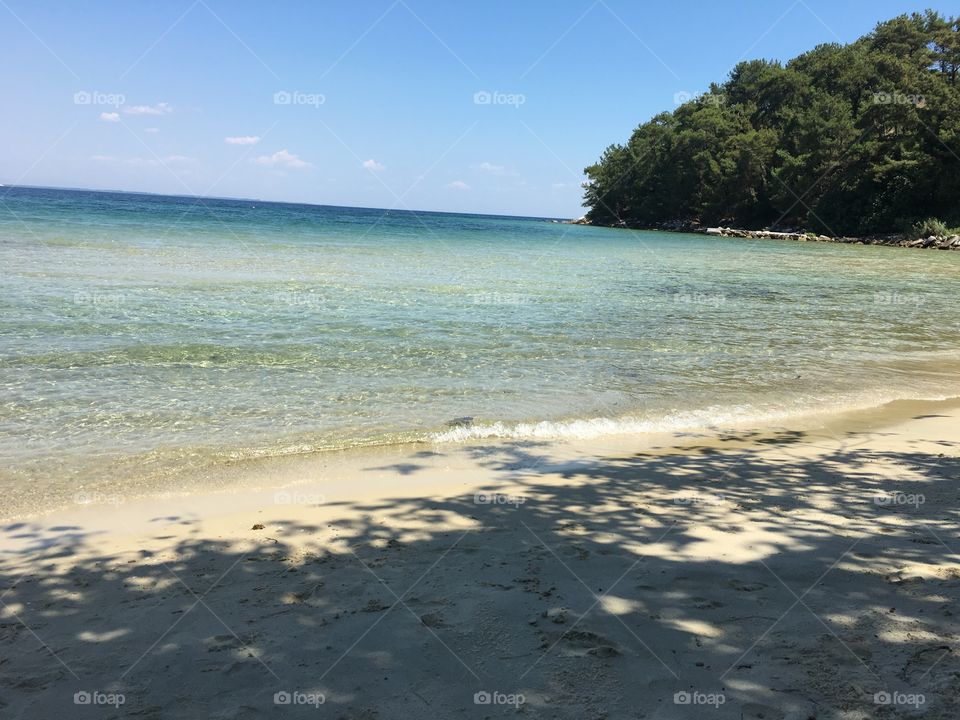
<point x="586" y="429"/>
<point x="707" y="418"/>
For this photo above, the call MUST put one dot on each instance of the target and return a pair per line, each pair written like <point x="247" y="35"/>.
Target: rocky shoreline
<point x="943" y="242"/>
<point x="936" y="242"/>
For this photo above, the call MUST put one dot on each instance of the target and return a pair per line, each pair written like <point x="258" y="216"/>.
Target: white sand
<point x="756" y="572"/>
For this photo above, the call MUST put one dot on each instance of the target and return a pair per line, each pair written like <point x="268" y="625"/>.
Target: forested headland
<point x="844" y="139"/>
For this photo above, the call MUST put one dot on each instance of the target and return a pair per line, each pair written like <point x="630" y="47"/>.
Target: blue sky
<point x="491" y="106"/>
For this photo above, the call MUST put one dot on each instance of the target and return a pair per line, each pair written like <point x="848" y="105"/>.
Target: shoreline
<point x="942" y="242"/>
<point x="561" y="572"/>
<point x="193" y="475"/>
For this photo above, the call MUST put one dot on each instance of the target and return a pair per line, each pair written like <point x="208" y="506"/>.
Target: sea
<point x="146" y="335"/>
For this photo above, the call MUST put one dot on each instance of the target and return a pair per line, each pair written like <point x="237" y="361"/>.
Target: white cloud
<point x="458" y="185"/>
<point x="373" y="165"/>
<point x="242" y="140"/>
<point x="490" y="168"/>
<point x="282" y="158"/>
<point x="110" y="117"/>
<point x="158" y="109"/>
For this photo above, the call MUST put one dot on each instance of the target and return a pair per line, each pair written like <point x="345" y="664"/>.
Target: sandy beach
<point x="808" y="571"/>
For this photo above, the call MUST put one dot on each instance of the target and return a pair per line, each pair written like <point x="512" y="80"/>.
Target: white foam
<point x="706" y="418"/>
<point x="589" y="428"/>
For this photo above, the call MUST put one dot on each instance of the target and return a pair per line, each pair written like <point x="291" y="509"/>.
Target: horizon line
<point x="273" y="202"/>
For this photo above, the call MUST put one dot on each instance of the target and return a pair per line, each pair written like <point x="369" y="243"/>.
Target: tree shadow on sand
<point x="696" y="583"/>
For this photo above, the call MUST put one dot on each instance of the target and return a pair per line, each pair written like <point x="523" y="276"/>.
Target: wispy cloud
<point x="242" y="140"/>
<point x="282" y="158"/>
<point x="373" y="165"/>
<point x="110" y="117"/>
<point x="490" y="168"/>
<point x="158" y="109"/>
<point x="458" y="185"/>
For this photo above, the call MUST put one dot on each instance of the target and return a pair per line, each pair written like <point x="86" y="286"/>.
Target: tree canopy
<point x="860" y="138"/>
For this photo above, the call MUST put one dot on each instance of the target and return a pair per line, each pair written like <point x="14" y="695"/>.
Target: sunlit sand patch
<point x="748" y="545"/>
<point x="621" y="606"/>
<point x="88" y="636"/>
<point x="694" y="627"/>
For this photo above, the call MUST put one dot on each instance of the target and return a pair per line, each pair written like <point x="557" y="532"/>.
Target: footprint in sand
<point x="580" y="643"/>
<point x="747" y="586"/>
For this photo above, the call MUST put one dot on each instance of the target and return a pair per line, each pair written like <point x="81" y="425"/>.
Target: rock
<point x="715" y="231"/>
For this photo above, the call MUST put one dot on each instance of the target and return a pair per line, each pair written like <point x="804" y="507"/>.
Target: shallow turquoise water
<point x="174" y="328"/>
